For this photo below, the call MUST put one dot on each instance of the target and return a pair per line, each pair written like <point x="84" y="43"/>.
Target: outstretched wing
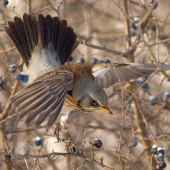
<point x="106" y="74"/>
<point x="46" y="95"/>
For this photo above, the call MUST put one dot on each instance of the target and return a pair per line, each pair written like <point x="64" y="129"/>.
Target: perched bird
<point x="45" y="46"/>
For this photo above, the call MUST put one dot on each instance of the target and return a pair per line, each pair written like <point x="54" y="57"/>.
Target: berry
<point x="3" y="81"/>
<point x="168" y="79"/>
<point x="70" y="58"/>
<point x="162" y="164"/>
<point x="132" y="32"/>
<point x="38" y="141"/>
<point x="18" y="76"/>
<point x="166" y="96"/>
<point x="72" y="150"/>
<point x="94" y="61"/>
<point x="106" y="60"/>
<point x="136" y="19"/>
<point x="80" y="60"/>
<point x="151" y="3"/>
<point x="100" y="61"/>
<point x="21" y="76"/>
<point x="24" y="77"/>
<point x="154" y="149"/>
<point x="134" y="26"/>
<point x="160" y="158"/>
<point x="12" y="68"/>
<point x="97" y="143"/>
<point x="8" y="158"/>
<point x="4" y="2"/>
<point x="145" y="87"/>
<point x="160" y="151"/>
<point x="133" y="142"/>
<point x="152" y="100"/>
<point x="144" y="78"/>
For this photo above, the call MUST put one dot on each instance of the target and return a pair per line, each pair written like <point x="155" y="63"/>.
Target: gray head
<point x="93" y="98"/>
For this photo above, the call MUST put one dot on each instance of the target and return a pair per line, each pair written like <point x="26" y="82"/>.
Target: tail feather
<point x="43" y="34"/>
<point x="30" y="25"/>
<point x="55" y="29"/>
<point x="49" y="25"/>
<point x="20" y="28"/>
<point x="16" y="43"/>
<point x="29" y="33"/>
<point x="61" y="33"/>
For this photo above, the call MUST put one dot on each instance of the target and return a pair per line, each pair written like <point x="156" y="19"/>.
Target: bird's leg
<point x="56" y="131"/>
<point x="74" y="147"/>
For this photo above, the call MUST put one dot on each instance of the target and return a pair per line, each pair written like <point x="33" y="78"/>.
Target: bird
<point x="58" y="86"/>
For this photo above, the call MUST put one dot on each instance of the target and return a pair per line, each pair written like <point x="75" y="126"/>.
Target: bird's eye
<point x="93" y="102"/>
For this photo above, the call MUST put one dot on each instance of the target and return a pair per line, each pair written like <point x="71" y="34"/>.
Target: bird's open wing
<point x="43" y="97"/>
<point x="106" y="74"/>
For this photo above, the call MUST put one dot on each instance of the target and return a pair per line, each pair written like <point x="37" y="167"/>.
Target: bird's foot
<point x="56" y="131"/>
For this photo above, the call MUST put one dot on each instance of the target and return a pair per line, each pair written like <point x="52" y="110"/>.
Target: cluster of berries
<point x="160" y="157"/>
<point x="19" y="76"/>
<point x="137" y="19"/>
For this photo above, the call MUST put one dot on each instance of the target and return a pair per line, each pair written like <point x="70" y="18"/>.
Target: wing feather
<point x="105" y="74"/>
<point x="44" y="97"/>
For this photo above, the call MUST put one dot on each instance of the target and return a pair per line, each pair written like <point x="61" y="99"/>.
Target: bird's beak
<point x="106" y="110"/>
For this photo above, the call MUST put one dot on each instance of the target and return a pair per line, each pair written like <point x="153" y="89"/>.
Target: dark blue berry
<point x="151" y="3"/>
<point x="100" y="61"/>
<point x="145" y="87"/>
<point x="154" y="149"/>
<point x="72" y="150"/>
<point x="138" y="82"/>
<point x="21" y="76"/>
<point x="152" y="100"/>
<point x="166" y="96"/>
<point x="97" y="143"/>
<point x="80" y="60"/>
<point x="94" y="61"/>
<point x="3" y="81"/>
<point x="160" y="158"/>
<point x="162" y="164"/>
<point x="133" y="142"/>
<point x="38" y="141"/>
<point x="134" y="26"/>
<point x="8" y="158"/>
<point x="160" y="151"/>
<point x="24" y="78"/>
<point x="4" y="2"/>
<point x="12" y="68"/>
<point x="70" y="58"/>
<point x="106" y="60"/>
<point x="132" y="32"/>
<point x="144" y="78"/>
<point x="18" y="76"/>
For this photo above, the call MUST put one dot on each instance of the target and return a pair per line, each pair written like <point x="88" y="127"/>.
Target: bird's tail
<point x="49" y="33"/>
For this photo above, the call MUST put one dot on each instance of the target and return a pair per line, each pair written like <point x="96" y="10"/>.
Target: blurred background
<point x="105" y="33"/>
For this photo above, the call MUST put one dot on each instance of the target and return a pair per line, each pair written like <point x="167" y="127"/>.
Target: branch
<point x="141" y="130"/>
<point x="5" y="51"/>
<point x="100" y="48"/>
<point x="59" y="154"/>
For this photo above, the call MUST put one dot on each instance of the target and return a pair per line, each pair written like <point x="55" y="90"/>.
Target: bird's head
<point x="93" y="98"/>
